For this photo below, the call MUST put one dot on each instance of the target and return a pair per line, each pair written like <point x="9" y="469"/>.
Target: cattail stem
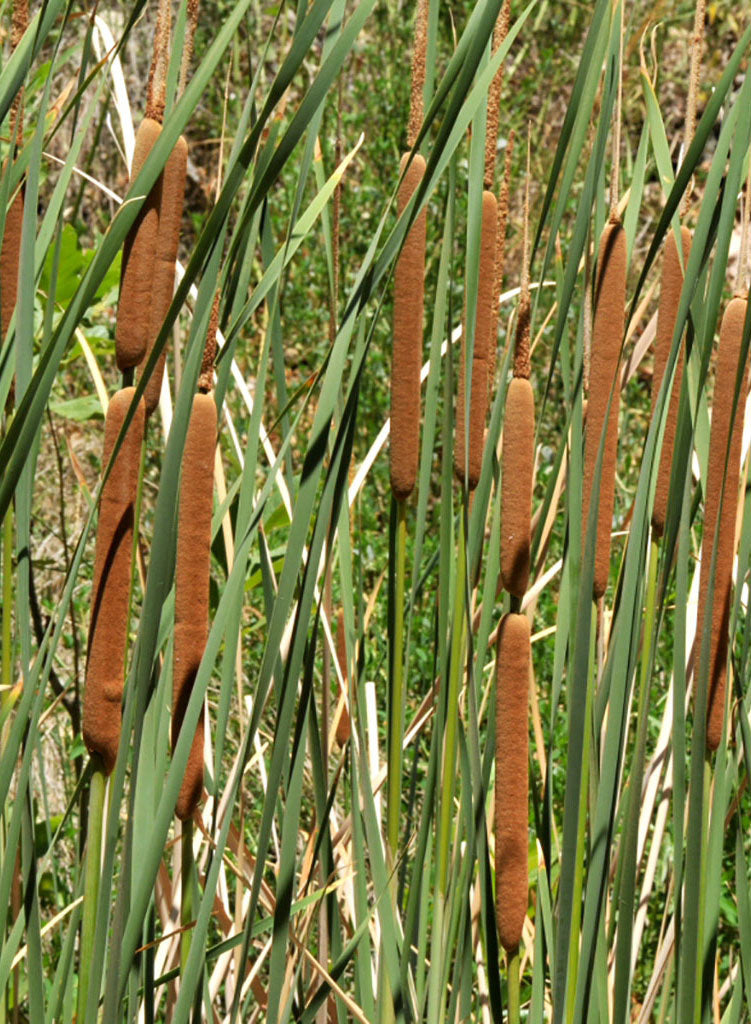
<point x="7" y="659"/>
<point x="187" y="867"/>
<point x="514" y="987"/>
<point x="628" y="853"/>
<point x="396" y="701"/>
<point x="445" y="797"/>
<point x="581" y="834"/>
<point x="97" y="791"/>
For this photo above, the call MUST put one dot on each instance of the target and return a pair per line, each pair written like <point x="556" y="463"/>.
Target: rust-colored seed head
<point x="607" y="335"/>
<point x="192" y="585"/>
<point x="108" y="629"/>
<point x="480" y="357"/>
<point x="137" y="273"/>
<point x="343" y="727"/>
<point x="10" y="255"/>
<point x="409" y="292"/>
<point x="513" y="666"/>
<point x="517" y="481"/>
<point x="722" y="487"/>
<point x="667" y="313"/>
<point x="171" y="191"/>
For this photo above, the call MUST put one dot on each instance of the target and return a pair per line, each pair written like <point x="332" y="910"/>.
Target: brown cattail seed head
<point x="192" y="572"/>
<point x="607" y="335"/>
<point x="513" y="667"/>
<point x="483" y="324"/>
<point x="517" y="481"/>
<point x="108" y="630"/>
<point x="10" y="256"/>
<point x="170" y="189"/>
<point x="409" y="291"/>
<point x="670" y="293"/>
<point x="137" y="273"/>
<point x="722" y="487"/>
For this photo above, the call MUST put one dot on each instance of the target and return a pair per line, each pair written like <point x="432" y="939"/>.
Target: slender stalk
<point x="436" y="1003"/>
<point x="573" y="956"/>
<point x="396" y="709"/>
<point x="396" y="729"/>
<point x="186" y="890"/>
<point x="514" y="988"/>
<point x="7" y="660"/>
<point x="630" y="853"/>
<point x="98" y="787"/>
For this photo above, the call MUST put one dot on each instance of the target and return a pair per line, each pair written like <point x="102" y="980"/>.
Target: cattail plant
<point x="108" y="630"/>
<point x="409" y="291"/>
<point x="671" y="283"/>
<point x="137" y="275"/>
<point x="518" y="452"/>
<point x="607" y="334"/>
<point x="469" y="447"/>
<point x="720" y="509"/>
<point x="170" y="190"/>
<point x="406" y="364"/>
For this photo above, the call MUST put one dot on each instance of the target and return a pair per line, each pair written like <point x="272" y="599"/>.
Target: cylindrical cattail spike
<point x="171" y="191"/>
<point x="513" y="664"/>
<point x="517" y="481"/>
<point x="409" y="290"/>
<point x="722" y="487"/>
<point x="10" y="256"/>
<point x="192" y="585"/>
<point x="137" y="273"/>
<point x="607" y="335"/>
<point x="471" y="462"/>
<point x="671" y="284"/>
<point x="108" y="630"/>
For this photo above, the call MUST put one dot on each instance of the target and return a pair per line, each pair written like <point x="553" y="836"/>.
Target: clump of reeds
<point x="721" y="503"/>
<point x="607" y="335"/>
<point x="513" y="666"/>
<point x="108" y="630"/>
<point x="192" y="570"/>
